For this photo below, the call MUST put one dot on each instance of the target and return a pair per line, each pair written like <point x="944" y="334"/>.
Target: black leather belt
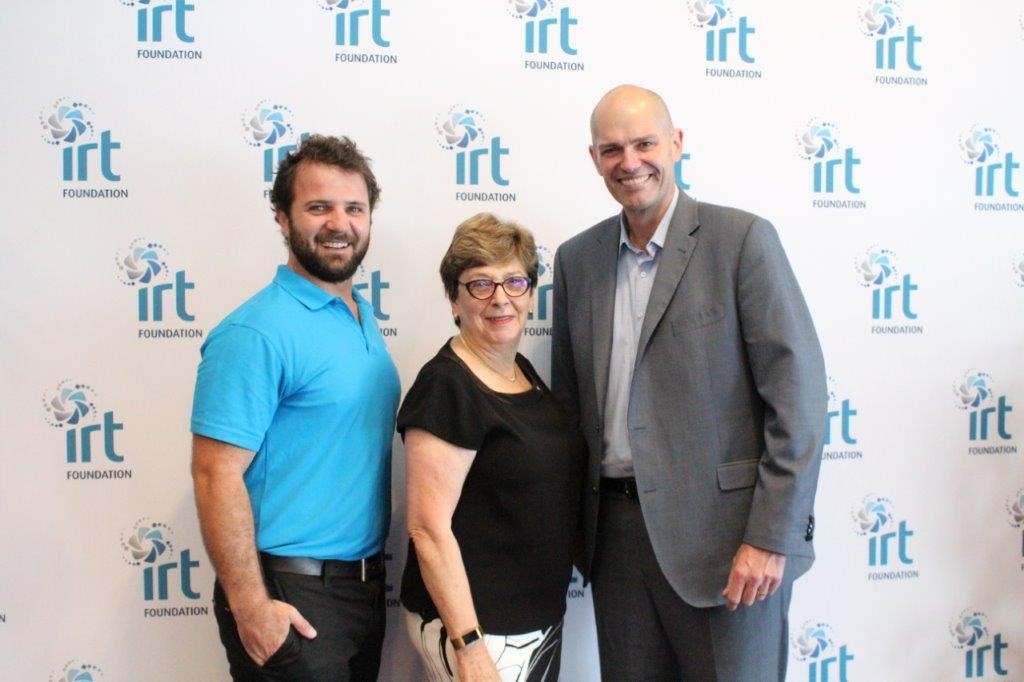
<point x="369" y="568"/>
<point x="623" y="486"/>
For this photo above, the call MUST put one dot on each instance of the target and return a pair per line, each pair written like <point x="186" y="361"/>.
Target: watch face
<point x="467" y="638"/>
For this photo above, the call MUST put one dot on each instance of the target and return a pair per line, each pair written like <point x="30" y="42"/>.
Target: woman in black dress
<point x="494" y="475"/>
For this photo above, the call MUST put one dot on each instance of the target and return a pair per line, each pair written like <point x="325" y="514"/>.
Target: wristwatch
<point x="467" y="638"/>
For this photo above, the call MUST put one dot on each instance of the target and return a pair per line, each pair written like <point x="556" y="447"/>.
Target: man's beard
<point x="320" y="266"/>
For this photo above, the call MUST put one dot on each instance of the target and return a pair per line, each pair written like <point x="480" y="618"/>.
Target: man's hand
<point x="756" y="574"/>
<point x="264" y="627"/>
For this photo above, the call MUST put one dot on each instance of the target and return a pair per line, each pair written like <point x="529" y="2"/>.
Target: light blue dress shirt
<point x="634" y="280"/>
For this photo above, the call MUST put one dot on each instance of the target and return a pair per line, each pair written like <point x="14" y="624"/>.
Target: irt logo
<point x="712" y="15"/>
<point x="970" y="633"/>
<point x="974" y="394"/>
<point x="349" y="23"/>
<point x="372" y="290"/>
<point x="818" y="143"/>
<point x="539" y="30"/>
<point x="152" y="15"/>
<point x="875" y="520"/>
<point x="680" y="181"/>
<point x="142" y="266"/>
<point x="893" y="50"/>
<point x="890" y="294"/>
<point x="825" y="663"/>
<point x="462" y="128"/>
<point x="838" y="423"/>
<point x="67" y="124"/>
<point x="148" y="544"/>
<point x="980" y="148"/>
<point x="545" y="287"/>
<point x="72" y="406"/>
<point x="268" y="127"/>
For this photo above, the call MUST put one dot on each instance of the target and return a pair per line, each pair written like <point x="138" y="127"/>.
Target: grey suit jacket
<point x="727" y="406"/>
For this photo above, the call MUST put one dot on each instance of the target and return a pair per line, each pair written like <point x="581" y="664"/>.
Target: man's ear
<point x="593" y="157"/>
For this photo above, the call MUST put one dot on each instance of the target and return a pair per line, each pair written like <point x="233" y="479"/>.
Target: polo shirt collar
<point x="304" y="291"/>
<point x="658" y="239"/>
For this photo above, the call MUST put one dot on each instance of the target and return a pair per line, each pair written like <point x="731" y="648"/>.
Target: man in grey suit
<point x="684" y="349"/>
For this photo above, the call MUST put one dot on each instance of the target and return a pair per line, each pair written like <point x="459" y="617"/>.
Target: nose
<point x="499" y="297"/>
<point x="630" y="159"/>
<point x="335" y="220"/>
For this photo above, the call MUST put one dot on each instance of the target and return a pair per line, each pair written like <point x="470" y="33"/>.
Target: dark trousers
<point x="645" y="631"/>
<point x="348" y="616"/>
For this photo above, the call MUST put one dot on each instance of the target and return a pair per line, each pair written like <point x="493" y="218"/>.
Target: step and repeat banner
<point x="884" y="139"/>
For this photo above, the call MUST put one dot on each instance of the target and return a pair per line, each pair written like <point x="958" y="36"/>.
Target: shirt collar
<point x="658" y="239"/>
<point x="305" y="292"/>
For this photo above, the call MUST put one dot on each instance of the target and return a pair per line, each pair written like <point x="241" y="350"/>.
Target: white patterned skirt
<point x="528" y="657"/>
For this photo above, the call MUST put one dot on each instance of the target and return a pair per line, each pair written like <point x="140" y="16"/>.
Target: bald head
<point x="629" y="100"/>
<point x="633" y="147"/>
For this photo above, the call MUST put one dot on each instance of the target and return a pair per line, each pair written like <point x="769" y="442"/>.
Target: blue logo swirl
<point x="528" y="8"/>
<point x="874" y="514"/>
<point x="708" y="13"/>
<point x="968" y="629"/>
<point x="69" y="404"/>
<point x="814" y="640"/>
<point x="341" y="5"/>
<point x="973" y="391"/>
<point x="267" y="124"/>
<point x="979" y="145"/>
<point x="143" y="262"/>
<point x="831" y="387"/>
<point x="1015" y="505"/>
<point x="460" y="128"/>
<point x="543" y="261"/>
<point x="66" y="122"/>
<point x="146" y="542"/>
<point x="875" y="267"/>
<point x="817" y="140"/>
<point x="879" y="17"/>
<point x="76" y="671"/>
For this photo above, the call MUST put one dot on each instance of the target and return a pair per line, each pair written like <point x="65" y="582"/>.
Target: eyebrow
<point x="506" y="275"/>
<point x="351" y="202"/>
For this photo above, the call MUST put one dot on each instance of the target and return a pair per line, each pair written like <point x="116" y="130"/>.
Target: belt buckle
<point x="629" y="487"/>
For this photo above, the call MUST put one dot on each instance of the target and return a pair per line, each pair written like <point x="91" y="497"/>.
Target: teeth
<point x="633" y="181"/>
<point x="334" y="245"/>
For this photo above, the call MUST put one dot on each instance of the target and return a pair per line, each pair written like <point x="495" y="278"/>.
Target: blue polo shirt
<point x="294" y="377"/>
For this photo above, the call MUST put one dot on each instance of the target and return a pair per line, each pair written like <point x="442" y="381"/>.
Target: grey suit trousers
<point x="647" y="632"/>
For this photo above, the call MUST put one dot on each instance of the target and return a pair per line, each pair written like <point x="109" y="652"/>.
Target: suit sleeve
<point x="789" y="372"/>
<point x="563" y="368"/>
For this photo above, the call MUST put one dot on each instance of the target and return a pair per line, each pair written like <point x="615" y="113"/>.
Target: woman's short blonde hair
<point x="484" y="239"/>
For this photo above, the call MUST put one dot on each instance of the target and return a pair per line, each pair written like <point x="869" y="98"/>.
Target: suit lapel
<point x="602" y="304"/>
<point x="679" y="246"/>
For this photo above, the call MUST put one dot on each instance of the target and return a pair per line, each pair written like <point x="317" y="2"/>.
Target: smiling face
<point x="498" y="321"/>
<point x="634" y="149"/>
<point x="327" y="226"/>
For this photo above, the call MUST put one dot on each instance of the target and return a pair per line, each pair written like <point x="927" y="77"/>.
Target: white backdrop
<point x="135" y="173"/>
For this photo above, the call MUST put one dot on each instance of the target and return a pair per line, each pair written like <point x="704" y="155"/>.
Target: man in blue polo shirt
<point x="292" y="423"/>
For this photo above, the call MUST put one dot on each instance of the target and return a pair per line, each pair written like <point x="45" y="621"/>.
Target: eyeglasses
<point x="483" y="289"/>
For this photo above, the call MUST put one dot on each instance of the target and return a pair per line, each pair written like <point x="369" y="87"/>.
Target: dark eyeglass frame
<point x="494" y="286"/>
